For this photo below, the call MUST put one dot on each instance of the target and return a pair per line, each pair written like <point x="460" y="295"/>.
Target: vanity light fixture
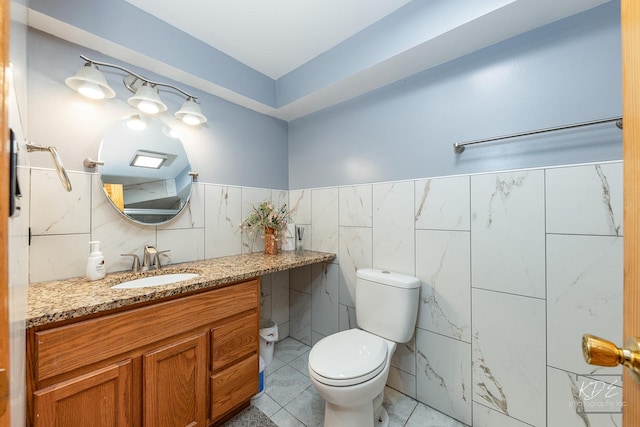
<point x="147" y="99"/>
<point x="190" y="113"/>
<point x="148" y="159"/>
<point x="136" y="122"/>
<point x="90" y="82"/>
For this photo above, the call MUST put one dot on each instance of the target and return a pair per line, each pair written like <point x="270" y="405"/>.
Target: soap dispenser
<point x="95" y="264"/>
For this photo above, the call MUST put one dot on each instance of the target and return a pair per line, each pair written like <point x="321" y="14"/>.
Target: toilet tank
<point x="387" y="303"/>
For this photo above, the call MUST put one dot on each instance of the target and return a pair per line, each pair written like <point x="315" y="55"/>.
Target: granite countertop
<point x="50" y="302"/>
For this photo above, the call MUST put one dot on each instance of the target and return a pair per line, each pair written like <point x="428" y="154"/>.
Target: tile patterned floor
<point x="290" y="400"/>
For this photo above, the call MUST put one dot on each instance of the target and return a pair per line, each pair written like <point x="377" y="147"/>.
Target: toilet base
<point x="362" y="415"/>
<point x="382" y="418"/>
<point x="340" y="416"/>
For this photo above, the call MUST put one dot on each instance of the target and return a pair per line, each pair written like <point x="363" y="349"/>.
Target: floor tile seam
<point x="290" y="413"/>
<point x="294" y="417"/>
<point x="271" y="373"/>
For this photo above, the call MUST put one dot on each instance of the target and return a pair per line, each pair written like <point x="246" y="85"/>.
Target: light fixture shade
<point x="147" y="100"/>
<point x="190" y="113"/>
<point x="90" y="82"/>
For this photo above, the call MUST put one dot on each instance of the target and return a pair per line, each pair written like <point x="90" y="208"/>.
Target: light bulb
<point x="190" y="119"/>
<point x="148" y="107"/>
<point x="91" y="90"/>
<point x="190" y="113"/>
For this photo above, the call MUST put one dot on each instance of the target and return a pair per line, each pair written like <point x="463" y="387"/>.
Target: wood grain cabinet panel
<point x="234" y="348"/>
<point x="232" y="385"/>
<point x="234" y="341"/>
<point x="152" y="366"/>
<point x="175" y="384"/>
<point x="99" y="398"/>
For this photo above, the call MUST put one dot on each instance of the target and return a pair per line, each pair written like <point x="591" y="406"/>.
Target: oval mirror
<point x="145" y="174"/>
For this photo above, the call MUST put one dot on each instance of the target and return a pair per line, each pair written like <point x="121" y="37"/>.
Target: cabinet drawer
<point x="234" y="385"/>
<point x="66" y="348"/>
<point x="234" y="340"/>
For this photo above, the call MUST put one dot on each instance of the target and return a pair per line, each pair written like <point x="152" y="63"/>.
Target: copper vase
<point x="270" y="242"/>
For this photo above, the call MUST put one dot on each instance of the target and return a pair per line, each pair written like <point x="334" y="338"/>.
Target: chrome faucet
<point x="151" y="258"/>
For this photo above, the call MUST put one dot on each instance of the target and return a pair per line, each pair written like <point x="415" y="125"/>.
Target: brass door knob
<point x="601" y="352"/>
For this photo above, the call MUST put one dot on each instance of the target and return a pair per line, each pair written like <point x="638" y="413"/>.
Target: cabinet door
<point x="101" y="398"/>
<point x="175" y="383"/>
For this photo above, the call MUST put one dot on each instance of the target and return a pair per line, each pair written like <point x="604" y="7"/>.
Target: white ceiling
<point x="275" y="36"/>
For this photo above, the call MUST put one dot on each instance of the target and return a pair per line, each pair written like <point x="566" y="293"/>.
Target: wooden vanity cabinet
<point x="190" y="361"/>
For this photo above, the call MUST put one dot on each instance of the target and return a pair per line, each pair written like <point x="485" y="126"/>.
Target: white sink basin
<point x="163" y="279"/>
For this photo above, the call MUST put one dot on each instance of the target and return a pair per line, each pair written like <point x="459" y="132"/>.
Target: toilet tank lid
<point x="388" y="278"/>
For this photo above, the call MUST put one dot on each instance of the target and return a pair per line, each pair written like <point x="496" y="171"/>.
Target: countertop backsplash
<point x="63" y="223"/>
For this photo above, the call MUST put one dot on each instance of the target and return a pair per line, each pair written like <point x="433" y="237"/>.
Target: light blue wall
<point x="236" y="146"/>
<point x="564" y="73"/>
<point x="122" y="23"/>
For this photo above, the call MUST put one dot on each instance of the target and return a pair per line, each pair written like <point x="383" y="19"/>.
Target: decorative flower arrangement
<point x="266" y="221"/>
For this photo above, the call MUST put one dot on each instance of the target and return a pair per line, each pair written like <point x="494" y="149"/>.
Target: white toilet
<point x="350" y="369"/>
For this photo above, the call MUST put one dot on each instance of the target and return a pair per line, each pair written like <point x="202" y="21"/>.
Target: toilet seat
<point x="348" y="358"/>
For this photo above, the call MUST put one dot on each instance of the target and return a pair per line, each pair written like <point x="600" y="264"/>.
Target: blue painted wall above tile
<point x="564" y="73"/>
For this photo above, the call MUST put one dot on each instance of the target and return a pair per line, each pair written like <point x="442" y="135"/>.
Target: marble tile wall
<point x="515" y="267"/>
<point x="63" y="223"/>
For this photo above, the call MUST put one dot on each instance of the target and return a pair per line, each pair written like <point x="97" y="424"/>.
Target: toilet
<point x="350" y="369"/>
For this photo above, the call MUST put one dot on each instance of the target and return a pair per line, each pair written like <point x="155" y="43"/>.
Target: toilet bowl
<point x="349" y="369"/>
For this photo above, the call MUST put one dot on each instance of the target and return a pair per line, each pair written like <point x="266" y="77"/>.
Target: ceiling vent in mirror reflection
<point x="145" y="174"/>
<point x="90" y="82"/>
<point x="149" y="159"/>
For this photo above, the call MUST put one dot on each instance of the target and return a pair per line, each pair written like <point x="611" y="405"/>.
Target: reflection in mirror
<point x="146" y="170"/>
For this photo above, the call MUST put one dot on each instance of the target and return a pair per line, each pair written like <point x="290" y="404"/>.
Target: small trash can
<point x="268" y="338"/>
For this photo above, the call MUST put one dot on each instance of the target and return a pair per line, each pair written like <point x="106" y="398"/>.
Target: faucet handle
<point x="136" y="262"/>
<point x="156" y="259"/>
